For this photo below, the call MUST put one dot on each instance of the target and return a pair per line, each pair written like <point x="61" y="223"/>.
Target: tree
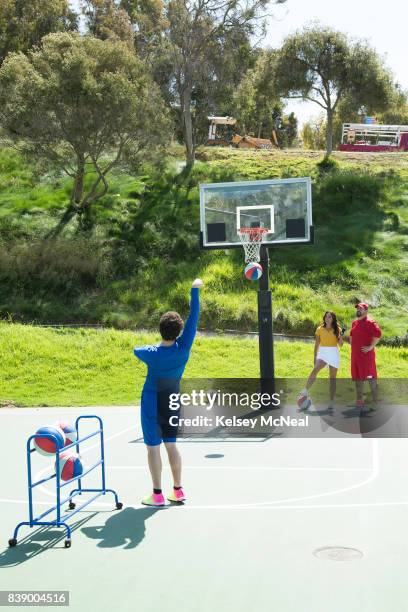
<point x="255" y="98"/>
<point x="397" y="112"/>
<point x="148" y="20"/>
<point x="23" y="24"/>
<point x="139" y="23"/>
<point x="81" y="104"/>
<point x="313" y="133"/>
<point x="257" y="106"/>
<point x="193" y="48"/>
<point x="287" y="130"/>
<point x="107" y="21"/>
<point x="233" y="57"/>
<point x="321" y="65"/>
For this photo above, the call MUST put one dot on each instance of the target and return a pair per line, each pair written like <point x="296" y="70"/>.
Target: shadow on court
<point x="126" y="528"/>
<point x="38" y="541"/>
<point x="319" y="413"/>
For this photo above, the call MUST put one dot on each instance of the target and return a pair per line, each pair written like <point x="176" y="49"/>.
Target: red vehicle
<point x="374" y="137"/>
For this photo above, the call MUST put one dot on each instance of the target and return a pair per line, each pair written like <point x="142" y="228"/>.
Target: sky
<point x="382" y="22"/>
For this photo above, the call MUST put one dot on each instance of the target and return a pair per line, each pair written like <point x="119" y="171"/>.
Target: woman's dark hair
<point x="335" y="325"/>
<point x="170" y="325"/>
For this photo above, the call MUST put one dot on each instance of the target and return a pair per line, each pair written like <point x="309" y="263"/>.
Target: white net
<point x="251" y="238"/>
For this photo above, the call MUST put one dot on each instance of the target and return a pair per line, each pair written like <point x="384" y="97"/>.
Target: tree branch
<point x="307" y="98"/>
<point x="339" y="94"/>
<point x="319" y="91"/>
<point x="93" y="194"/>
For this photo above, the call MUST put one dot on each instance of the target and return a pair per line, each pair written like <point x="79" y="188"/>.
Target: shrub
<point x="345" y="192"/>
<point x="60" y="268"/>
<point x="327" y="164"/>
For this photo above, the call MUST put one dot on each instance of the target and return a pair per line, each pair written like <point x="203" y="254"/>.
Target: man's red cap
<point x="362" y="306"/>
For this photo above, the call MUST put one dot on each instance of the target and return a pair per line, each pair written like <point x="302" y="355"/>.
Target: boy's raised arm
<point x="190" y="328"/>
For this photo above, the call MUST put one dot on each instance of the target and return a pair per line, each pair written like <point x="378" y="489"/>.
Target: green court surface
<point x="250" y="536"/>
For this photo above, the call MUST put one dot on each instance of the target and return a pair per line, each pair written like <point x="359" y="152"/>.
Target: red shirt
<point x="363" y="331"/>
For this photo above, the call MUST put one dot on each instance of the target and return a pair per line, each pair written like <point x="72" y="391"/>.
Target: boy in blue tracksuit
<point x="165" y="366"/>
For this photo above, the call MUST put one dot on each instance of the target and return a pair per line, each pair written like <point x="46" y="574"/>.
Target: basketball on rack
<point x="70" y="465"/>
<point x="69" y="431"/>
<point x="46" y="445"/>
<point x="253" y="271"/>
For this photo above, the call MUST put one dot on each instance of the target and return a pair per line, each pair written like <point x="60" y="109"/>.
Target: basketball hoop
<point x="252" y="238"/>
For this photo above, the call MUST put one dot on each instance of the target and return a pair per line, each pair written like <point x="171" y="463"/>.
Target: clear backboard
<point x="282" y="206"/>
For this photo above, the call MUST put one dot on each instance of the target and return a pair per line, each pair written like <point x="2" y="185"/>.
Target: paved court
<point x="250" y="536"/>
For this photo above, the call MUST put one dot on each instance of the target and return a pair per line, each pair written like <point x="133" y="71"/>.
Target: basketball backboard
<point x="283" y="206"/>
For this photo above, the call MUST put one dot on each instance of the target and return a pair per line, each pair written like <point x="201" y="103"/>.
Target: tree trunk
<point x="185" y="99"/>
<point x="85" y="221"/>
<point x="329" y="132"/>
<point x="77" y="194"/>
<point x="78" y="188"/>
<point x="65" y="219"/>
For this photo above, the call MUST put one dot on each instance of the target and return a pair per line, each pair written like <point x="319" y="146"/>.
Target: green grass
<point x="73" y="367"/>
<point x="295" y="162"/>
<point x="144" y="252"/>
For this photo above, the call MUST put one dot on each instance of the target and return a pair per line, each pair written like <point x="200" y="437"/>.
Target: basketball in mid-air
<point x="253" y="271"/>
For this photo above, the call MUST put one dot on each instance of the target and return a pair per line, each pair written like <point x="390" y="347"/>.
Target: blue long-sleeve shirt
<point x="169" y="362"/>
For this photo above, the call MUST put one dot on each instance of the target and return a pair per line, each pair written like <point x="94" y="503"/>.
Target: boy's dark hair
<point x="170" y="325"/>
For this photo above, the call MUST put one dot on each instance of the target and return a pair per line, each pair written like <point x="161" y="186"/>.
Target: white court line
<point x="289" y="507"/>
<point x="271" y="505"/>
<point x="131" y="504"/>
<point x="374" y="475"/>
<point x="274" y="503"/>
<point x="243" y="467"/>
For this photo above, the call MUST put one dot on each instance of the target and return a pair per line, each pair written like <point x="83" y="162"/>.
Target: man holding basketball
<point x="365" y="334"/>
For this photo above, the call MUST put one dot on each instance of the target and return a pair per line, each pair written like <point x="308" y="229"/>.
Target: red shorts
<point x="363" y="367"/>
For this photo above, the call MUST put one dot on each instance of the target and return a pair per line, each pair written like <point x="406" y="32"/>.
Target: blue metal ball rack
<point x="77" y="491"/>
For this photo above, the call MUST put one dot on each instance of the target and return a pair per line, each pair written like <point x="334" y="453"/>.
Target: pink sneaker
<point x="154" y="499"/>
<point x="176" y="496"/>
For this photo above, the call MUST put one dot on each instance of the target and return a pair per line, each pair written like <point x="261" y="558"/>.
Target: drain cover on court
<point x="338" y="553"/>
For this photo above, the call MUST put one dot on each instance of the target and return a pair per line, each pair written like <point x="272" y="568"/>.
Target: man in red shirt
<point x="365" y="333"/>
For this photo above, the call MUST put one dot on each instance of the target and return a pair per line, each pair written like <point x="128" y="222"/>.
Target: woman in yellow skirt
<point x="329" y="338"/>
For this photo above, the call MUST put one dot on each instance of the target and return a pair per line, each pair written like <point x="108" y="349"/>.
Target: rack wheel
<point x="72" y="505"/>
<point x="67" y="543"/>
<point x="119" y="506"/>
<point x="12" y="542"/>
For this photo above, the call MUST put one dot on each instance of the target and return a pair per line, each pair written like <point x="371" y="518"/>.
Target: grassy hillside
<point x="66" y="367"/>
<point x="143" y="251"/>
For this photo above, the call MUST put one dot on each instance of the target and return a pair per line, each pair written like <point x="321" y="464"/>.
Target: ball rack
<point x="79" y="490"/>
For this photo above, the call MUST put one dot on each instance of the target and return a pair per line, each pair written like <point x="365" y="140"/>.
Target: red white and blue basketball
<point x="70" y="465"/>
<point x="69" y="431"/>
<point x="304" y="402"/>
<point x="49" y="446"/>
<point x="253" y="271"/>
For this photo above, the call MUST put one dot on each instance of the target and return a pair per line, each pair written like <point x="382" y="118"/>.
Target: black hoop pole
<point x="265" y="327"/>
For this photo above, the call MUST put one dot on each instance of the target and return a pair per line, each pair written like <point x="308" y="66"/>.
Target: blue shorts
<point x="155" y="415"/>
